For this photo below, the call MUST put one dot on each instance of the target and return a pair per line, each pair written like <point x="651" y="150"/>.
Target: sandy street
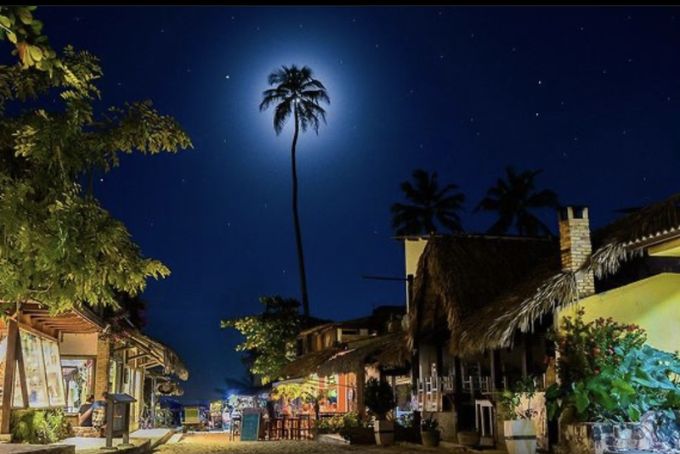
<point x="218" y="444"/>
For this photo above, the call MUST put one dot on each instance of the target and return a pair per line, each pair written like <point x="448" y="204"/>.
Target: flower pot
<point x="430" y="438"/>
<point x="384" y="432"/>
<point x="520" y="436"/>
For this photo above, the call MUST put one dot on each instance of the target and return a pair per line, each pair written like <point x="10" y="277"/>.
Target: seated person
<point x="99" y="412"/>
<point x="85" y="412"/>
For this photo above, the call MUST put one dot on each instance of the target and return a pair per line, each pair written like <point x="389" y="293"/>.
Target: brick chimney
<point x="575" y="246"/>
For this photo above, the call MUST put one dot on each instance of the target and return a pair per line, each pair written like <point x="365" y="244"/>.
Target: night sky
<point x="590" y="95"/>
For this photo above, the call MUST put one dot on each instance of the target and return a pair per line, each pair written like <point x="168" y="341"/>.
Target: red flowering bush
<point x="588" y="348"/>
<point x="608" y="373"/>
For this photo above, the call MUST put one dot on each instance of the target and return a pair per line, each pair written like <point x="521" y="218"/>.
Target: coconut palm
<point x="296" y="93"/>
<point x="515" y="199"/>
<point x="429" y="206"/>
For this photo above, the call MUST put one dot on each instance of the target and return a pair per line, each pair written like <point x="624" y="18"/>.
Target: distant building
<point x="340" y="356"/>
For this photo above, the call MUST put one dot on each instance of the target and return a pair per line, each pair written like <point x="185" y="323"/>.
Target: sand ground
<point x="218" y="443"/>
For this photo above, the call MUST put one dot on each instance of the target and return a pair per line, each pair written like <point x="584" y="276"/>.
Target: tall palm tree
<point x="429" y="205"/>
<point x="296" y="93"/>
<point x="514" y="199"/>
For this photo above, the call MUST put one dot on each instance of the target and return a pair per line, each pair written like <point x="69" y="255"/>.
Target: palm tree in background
<point x="296" y="93"/>
<point x="428" y="206"/>
<point x="514" y="199"/>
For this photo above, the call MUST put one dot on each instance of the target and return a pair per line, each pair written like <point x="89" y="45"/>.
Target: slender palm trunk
<point x="296" y="221"/>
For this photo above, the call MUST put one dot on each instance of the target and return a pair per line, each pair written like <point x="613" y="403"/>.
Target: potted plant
<point x="429" y="432"/>
<point x="518" y="427"/>
<point x="379" y="398"/>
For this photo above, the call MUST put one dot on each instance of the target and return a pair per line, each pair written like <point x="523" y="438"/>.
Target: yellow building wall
<point x="652" y="303"/>
<point x="413" y="249"/>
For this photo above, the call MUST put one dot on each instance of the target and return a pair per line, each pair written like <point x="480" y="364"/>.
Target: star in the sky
<point x="227" y="77"/>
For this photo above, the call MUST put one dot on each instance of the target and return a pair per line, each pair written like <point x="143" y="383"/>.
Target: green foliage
<point x="269" y="337"/>
<point x="19" y="27"/>
<point x="58" y="246"/>
<point x="39" y="426"/>
<point x="429" y="424"/>
<point x="340" y="424"/>
<point x="307" y="391"/>
<point x="608" y="373"/>
<point x="510" y="400"/>
<point x="429" y="205"/>
<point x="379" y="397"/>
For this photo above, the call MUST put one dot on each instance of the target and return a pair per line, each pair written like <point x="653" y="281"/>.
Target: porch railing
<point x="431" y="391"/>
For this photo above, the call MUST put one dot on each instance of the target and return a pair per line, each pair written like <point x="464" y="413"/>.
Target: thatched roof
<point x="308" y="363"/>
<point x="486" y="304"/>
<point x="388" y="350"/>
<point x="463" y="275"/>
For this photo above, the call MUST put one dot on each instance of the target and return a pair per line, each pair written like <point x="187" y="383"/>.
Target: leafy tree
<point x="18" y="26"/>
<point x="58" y="245"/>
<point x="514" y="199"/>
<point x="269" y="337"/>
<point x="296" y="93"/>
<point x="429" y="206"/>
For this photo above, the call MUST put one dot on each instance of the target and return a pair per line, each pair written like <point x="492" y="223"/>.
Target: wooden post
<point x="527" y="357"/>
<point x="496" y="371"/>
<point x="8" y="379"/>
<point x="361" y="383"/>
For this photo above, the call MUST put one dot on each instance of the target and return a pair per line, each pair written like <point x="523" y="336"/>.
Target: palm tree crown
<point x="429" y="205"/>
<point x="295" y="92"/>
<point x="513" y="199"/>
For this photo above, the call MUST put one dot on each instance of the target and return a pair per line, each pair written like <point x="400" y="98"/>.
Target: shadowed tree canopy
<point x="515" y="199"/>
<point x="296" y="93"/>
<point x="428" y="207"/>
<point x="59" y="246"/>
<point x="269" y="337"/>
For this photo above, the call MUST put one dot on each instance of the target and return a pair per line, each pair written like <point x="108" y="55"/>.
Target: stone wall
<point x="599" y="438"/>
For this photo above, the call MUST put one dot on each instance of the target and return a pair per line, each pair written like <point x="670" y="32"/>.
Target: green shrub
<point x="39" y="426"/>
<point x="509" y="400"/>
<point x="608" y="373"/>
<point x="379" y="397"/>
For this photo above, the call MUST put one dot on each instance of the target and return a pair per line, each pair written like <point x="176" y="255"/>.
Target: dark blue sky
<point x="590" y="95"/>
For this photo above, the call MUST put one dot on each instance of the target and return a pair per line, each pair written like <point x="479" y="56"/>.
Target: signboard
<point x="191" y="415"/>
<point x="250" y="425"/>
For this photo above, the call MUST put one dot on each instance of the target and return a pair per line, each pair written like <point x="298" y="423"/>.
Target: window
<point x="55" y="382"/>
<point x="78" y="381"/>
<point x="44" y="382"/>
<point x="34" y="365"/>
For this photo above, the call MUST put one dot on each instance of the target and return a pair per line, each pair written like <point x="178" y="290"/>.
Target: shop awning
<point x="35" y="315"/>
<point x="159" y="354"/>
